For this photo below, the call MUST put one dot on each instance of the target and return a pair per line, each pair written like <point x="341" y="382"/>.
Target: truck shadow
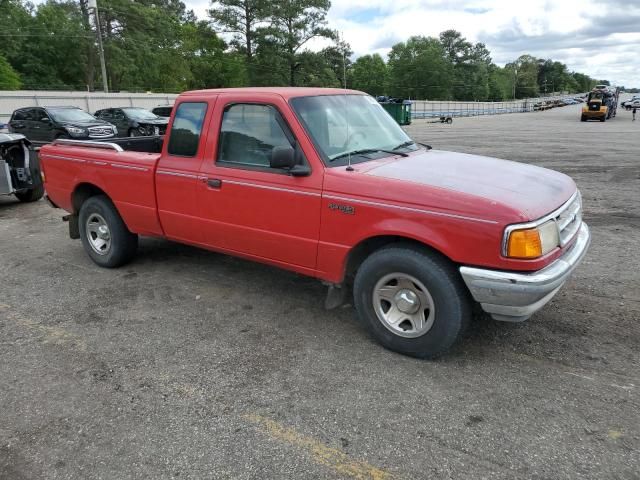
<point x="223" y="276"/>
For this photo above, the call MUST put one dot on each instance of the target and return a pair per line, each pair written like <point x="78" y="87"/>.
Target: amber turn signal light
<point x="524" y="244"/>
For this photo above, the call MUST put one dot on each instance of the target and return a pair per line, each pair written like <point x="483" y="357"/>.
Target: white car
<point x="633" y="103"/>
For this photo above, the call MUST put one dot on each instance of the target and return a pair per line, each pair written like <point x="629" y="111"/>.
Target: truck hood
<point x="529" y="191"/>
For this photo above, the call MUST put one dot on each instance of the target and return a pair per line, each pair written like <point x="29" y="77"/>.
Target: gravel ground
<point x="189" y="364"/>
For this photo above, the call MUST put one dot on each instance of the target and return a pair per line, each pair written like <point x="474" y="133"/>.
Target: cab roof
<point x="285" y="92"/>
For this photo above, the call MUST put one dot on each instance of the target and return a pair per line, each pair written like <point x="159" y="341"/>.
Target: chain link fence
<point x="427" y="109"/>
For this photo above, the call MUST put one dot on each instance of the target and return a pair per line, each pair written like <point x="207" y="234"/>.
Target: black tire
<point x="452" y="303"/>
<point x="583" y="118"/>
<point x="37" y="192"/>
<point x="32" y="195"/>
<point x="603" y="119"/>
<point x="123" y="244"/>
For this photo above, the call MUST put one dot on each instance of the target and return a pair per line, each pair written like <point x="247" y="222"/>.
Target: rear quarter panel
<point x="127" y="178"/>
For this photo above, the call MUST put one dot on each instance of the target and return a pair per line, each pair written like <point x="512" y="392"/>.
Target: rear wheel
<point x="413" y="302"/>
<point x="583" y="118"/>
<point x="104" y="235"/>
<point x="603" y="119"/>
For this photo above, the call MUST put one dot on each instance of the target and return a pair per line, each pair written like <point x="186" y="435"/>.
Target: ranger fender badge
<point x="346" y="209"/>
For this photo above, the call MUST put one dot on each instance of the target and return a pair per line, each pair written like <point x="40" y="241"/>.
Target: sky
<point x="600" y="38"/>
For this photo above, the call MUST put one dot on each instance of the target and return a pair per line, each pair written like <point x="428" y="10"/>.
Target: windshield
<point x="71" y="115"/>
<point x="339" y="124"/>
<point x="140" y="114"/>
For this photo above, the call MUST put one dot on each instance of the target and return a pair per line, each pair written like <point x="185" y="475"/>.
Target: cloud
<point x="596" y="37"/>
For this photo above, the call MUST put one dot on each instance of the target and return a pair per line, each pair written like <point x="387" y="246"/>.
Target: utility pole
<point x="94" y="5"/>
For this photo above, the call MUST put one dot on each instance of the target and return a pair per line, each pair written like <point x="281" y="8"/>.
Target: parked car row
<point x="42" y="125"/>
<point x="560" y="102"/>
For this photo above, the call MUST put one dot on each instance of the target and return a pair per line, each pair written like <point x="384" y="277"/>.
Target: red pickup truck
<point x="323" y="182"/>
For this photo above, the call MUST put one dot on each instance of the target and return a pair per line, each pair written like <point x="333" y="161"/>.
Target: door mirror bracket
<point x="300" y="171"/>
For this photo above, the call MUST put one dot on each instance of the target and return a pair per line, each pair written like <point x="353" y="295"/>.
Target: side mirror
<point x="282" y="157"/>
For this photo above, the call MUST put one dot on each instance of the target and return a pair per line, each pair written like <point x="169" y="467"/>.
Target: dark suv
<point x="45" y="124"/>
<point x="134" y="121"/>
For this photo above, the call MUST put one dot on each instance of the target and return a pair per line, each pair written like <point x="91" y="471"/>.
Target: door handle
<point x="214" y="182"/>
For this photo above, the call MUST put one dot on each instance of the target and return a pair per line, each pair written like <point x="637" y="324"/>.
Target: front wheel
<point x="412" y="301"/>
<point x="104" y="235"/>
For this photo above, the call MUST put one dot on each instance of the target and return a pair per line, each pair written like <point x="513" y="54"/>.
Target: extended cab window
<point x="249" y="133"/>
<point x="186" y="129"/>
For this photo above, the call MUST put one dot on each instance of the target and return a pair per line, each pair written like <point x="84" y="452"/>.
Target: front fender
<point x="462" y="240"/>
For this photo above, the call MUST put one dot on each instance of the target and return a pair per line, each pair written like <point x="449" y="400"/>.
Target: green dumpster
<point x="400" y="111"/>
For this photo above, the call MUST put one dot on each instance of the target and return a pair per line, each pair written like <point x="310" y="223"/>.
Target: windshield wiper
<point x="367" y="150"/>
<point x="408" y="143"/>
<point x="411" y="142"/>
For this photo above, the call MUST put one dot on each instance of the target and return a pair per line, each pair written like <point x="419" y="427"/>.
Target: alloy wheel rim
<point x="98" y="234"/>
<point x="403" y="305"/>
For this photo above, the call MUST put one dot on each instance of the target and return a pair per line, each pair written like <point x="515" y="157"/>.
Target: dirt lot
<point x="188" y="364"/>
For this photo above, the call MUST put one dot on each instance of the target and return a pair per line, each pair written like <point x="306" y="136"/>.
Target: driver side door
<point x="249" y="207"/>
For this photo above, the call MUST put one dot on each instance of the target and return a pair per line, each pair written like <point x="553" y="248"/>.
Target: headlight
<point x="532" y="242"/>
<point x="76" y="130"/>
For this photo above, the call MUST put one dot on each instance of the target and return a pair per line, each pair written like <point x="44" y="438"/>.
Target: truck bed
<point x="123" y="167"/>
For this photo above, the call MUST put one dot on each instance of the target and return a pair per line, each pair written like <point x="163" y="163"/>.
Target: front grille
<point x="100" y="132"/>
<point x="569" y="220"/>
<point x="154" y="129"/>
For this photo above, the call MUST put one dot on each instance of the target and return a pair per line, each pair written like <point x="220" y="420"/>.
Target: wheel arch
<point x="359" y="252"/>
<point x="82" y="192"/>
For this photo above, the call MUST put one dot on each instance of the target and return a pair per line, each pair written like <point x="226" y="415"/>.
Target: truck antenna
<point x="346" y="107"/>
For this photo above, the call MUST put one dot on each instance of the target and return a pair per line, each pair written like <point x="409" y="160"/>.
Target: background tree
<point x="524" y="72"/>
<point x="419" y="68"/>
<point x="242" y="18"/>
<point x="338" y="57"/>
<point x="160" y="45"/>
<point x="208" y="64"/>
<point x="293" y="24"/>
<point x="370" y="74"/>
<point x="9" y="78"/>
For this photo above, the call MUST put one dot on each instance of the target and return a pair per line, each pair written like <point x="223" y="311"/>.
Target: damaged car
<point x="19" y="168"/>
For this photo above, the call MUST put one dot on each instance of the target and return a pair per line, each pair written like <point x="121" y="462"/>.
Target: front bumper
<point x="514" y="297"/>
